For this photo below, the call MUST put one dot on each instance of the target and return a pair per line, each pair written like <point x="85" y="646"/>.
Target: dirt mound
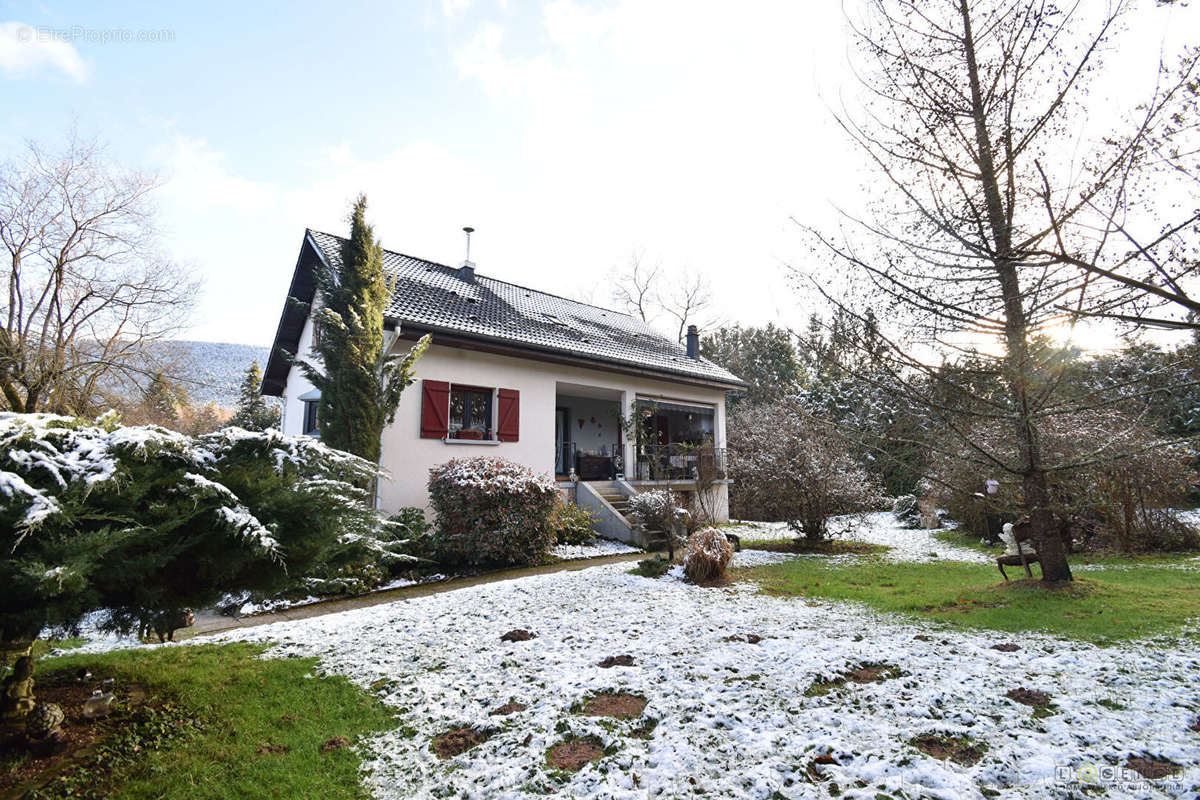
<point x="518" y="635"/>
<point x="1029" y="697"/>
<point x="459" y="740"/>
<point x="614" y="704"/>
<point x="1152" y="767"/>
<point x="958" y="749"/>
<point x="814" y="767"/>
<point x="616" y="661"/>
<point x="574" y="754"/>
<point x="749" y="638"/>
<point x="1006" y="647"/>
<point x="506" y="709"/>
<point x="870" y="672"/>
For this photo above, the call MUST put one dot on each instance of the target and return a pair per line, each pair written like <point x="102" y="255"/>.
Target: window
<point x="316" y="335"/>
<point x="310" y="418"/>
<point x="470" y="412"/>
<point x="460" y="412"/>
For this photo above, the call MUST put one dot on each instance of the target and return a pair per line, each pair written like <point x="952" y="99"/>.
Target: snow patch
<point x="597" y="548"/>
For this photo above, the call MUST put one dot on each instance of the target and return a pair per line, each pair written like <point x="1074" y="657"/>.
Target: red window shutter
<point x="435" y="409"/>
<point x="508" y="428"/>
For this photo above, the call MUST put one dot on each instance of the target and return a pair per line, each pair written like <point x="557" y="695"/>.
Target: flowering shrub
<point x="572" y="524"/>
<point x="708" y="554"/>
<point x="142" y="520"/>
<point x="491" y="512"/>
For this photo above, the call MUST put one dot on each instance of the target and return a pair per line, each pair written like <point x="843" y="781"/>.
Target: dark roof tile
<point x="433" y="295"/>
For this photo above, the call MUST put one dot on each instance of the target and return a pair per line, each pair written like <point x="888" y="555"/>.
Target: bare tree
<point x="649" y="291"/>
<point x="88" y="290"/>
<point x="1150" y="212"/>
<point x="635" y="287"/>
<point x="976" y="120"/>
<point x="688" y="301"/>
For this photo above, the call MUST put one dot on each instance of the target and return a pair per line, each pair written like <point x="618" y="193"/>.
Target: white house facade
<point x="596" y="398"/>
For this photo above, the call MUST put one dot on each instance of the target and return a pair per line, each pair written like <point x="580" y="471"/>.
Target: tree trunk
<point x="1016" y="327"/>
<point x="12" y="397"/>
<point x="1050" y="547"/>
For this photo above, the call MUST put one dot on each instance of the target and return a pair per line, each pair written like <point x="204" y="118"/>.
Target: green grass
<point x="961" y="537"/>
<point x="964" y="538"/>
<point x="1100" y="606"/>
<point x="825" y="547"/>
<point x="246" y="704"/>
<point x="651" y="568"/>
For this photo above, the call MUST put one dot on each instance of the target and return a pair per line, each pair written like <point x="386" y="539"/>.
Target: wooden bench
<point x="1020" y="560"/>
<point x="1021" y="533"/>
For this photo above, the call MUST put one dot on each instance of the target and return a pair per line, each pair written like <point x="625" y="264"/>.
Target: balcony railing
<point x="604" y="463"/>
<point x="673" y="462"/>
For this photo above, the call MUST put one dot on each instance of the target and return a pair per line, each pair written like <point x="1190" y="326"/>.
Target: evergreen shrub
<point x="140" y="521"/>
<point x="572" y="524"/>
<point x="491" y="512"/>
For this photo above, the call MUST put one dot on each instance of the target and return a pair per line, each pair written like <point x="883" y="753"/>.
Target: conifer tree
<point x="253" y="412"/>
<point x="162" y="400"/>
<point x="360" y="384"/>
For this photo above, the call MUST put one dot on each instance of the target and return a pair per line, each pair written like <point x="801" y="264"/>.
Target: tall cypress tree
<point x="360" y="385"/>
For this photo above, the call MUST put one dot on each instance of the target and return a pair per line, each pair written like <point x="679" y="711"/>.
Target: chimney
<point x="693" y="342"/>
<point x="466" y="270"/>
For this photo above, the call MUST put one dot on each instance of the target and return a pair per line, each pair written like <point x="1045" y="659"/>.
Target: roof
<point x="433" y="297"/>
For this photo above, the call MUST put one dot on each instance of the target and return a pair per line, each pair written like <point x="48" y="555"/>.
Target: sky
<point x="570" y="135"/>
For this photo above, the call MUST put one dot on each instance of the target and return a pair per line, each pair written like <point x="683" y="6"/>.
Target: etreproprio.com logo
<point x="1103" y="775"/>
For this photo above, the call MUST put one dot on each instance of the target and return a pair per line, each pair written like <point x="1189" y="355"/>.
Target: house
<point x="597" y="398"/>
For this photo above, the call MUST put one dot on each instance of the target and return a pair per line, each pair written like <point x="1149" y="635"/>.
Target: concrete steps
<point x="613" y="496"/>
<point x="655" y="539"/>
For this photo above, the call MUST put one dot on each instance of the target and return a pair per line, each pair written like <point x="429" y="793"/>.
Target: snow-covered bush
<point x="789" y="465"/>
<point x="572" y="524"/>
<point x="657" y="509"/>
<point x="142" y="520"/>
<point x="491" y="512"/>
<point x="708" y="554"/>
<point x="662" y="510"/>
<point x="906" y="510"/>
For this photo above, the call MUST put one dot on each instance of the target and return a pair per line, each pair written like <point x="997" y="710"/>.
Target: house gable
<point x="292" y="319"/>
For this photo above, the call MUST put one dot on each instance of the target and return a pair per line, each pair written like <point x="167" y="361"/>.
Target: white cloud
<point x="481" y="58"/>
<point x="455" y="8"/>
<point x="690" y="131"/>
<point x="691" y="136"/>
<point x="198" y="178"/>
<point x="26" y="51"/>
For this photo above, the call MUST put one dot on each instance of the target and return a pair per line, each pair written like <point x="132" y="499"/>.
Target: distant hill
<point x="214" y="370"/>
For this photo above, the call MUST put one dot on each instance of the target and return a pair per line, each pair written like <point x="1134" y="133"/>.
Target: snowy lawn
<point x="731" y="718"/>
<point x="876" y="528"/>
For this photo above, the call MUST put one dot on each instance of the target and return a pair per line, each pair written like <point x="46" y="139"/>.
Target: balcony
<point x="680" y="462"/>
